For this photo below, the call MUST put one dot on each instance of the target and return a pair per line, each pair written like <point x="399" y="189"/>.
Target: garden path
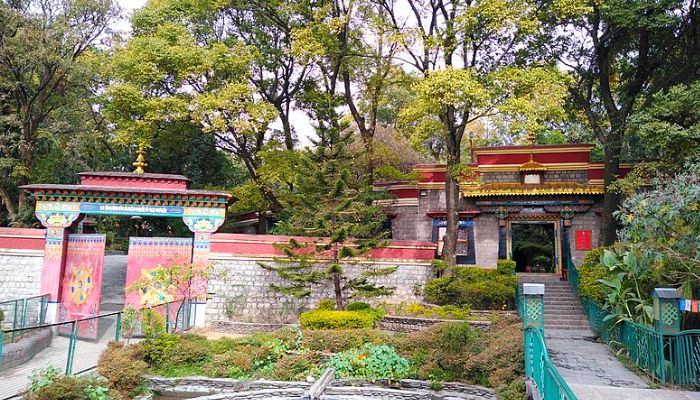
<point x="594" y="373"/>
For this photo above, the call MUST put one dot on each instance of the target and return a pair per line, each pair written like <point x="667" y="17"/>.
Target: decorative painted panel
<point x="81" y="288"/>
<point x="146" y="255"/>
<point x="584" y="240"/>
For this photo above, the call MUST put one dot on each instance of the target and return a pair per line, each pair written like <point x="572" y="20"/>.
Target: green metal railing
<point x="22" y="313"/>
<point x="572" y="274"/>
<point x="518" y="301"/>
<point x="81" y="354"/>
<point x="539" y="368"/>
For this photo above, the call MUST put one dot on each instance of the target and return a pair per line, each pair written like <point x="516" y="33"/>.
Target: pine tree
<point x="338" y="210"/>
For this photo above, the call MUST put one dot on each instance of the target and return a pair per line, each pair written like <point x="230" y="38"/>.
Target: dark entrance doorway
<point x="533" y="247"/>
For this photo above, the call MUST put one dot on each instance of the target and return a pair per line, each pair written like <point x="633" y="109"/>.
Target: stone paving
<point x="594" y="373"/>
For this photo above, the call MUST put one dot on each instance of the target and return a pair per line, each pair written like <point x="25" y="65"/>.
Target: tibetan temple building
<point x="539" y="205"/>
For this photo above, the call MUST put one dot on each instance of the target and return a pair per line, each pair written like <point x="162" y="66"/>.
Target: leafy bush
<point x="152" y="323"/>
<point x="330" y="319"/>
<point x="590" y="271"/>
<point x="475" y="287"/>
<point x="341" y="340"/>
<point x="234" y="364"/>
<point x="168" y="349"/>
<point x="505" y="267"/>
<point x="358" y="306"/>
<point x="421" y="311"/>
<point x="326" y="304"/>
<point x="48" y="384"/>
<point x="122" y="366"/>
<point x="370" y="362"/>
<point x="296" y="367"/>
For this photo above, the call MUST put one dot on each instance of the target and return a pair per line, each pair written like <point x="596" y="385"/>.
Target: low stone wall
<point x="246" y="328"/>
<point x="229" y="389"/>
<point x="239" y="289"/>
<point x="20" y="352"/>
<point x="412" y="324"/>
<point x="21" y="262"/>
<point x="198" y="385"/>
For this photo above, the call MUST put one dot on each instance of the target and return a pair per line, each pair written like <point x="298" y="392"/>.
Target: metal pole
<point x="117" y="334"/>
<point x="71" y="348"/>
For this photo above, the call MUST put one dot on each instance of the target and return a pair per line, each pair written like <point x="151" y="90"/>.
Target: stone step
<point x="565" y="315"/>
<point x="565" y="326"/>
<point x="563" y="308"/>
<point x="561" y="302"/>
<point x="565" y="318"/>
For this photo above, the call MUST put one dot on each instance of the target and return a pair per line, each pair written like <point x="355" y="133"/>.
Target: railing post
<point x="71" y="348"/>
<point x="667" y="320"/>
<point x="533" y="313"/>
<point x="117" y="334"/>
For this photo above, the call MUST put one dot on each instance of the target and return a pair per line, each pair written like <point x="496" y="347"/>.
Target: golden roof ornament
<point x="532" y="165"/>
<point x="140" y="162"/>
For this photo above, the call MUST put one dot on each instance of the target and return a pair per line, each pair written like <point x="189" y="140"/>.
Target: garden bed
<point x="24" y="349"/>
<point x="445" y="352"/>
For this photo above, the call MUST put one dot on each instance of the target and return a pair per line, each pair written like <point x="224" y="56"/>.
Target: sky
<point x="300" y="122"/>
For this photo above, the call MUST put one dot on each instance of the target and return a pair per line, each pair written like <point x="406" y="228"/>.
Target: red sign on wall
<point x="584" y="240"/>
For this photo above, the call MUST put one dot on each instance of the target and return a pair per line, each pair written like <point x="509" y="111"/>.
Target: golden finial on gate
<point x="140" y="162"/>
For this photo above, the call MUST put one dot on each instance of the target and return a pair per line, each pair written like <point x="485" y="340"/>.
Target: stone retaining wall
<point x="21" y="275"/>
<point x="412" y="324"/>
<point x="20" y="352"/>
<point x="246" y="328"/>
<point x="239" y="289"/>
<point x="229" y="389"/>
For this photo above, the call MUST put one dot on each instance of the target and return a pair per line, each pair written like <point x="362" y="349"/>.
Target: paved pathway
<point x="14" y="381"/>
<point x="594" y="373"/>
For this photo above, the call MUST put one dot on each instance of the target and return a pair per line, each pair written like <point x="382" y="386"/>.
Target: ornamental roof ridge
<point x="131" y="175"/>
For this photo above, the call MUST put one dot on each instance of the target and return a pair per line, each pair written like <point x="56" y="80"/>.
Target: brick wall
<point x="566" y="176"/>
<point x="241" y="289"/>
<point x="495" y="177"/>
<point x="486" y="240"/>
<point x="586" y="221"/>
<point x="21" y="275"/>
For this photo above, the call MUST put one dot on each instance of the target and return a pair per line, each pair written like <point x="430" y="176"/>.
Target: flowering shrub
<point x="332" y="319"/>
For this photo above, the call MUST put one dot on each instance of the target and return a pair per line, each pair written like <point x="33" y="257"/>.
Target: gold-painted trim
<point x="550" y="167"/>
<point x="430" y="169"/>
<point x="535" y="150"/>
<point x="600" y="165"/>
<point x="525" y="190"/>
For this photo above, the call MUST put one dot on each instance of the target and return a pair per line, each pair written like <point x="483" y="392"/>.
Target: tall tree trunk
<point x="449" y="252"/>
<point x="611" y="200"/>
<point x="338" y="290"/>
<point x="262" y="222"/>
<point x="287" y="129"/>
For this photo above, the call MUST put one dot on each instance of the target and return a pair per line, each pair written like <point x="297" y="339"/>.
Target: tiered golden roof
<point x="520" y="189"/>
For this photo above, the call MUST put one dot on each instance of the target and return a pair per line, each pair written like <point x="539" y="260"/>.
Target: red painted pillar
<point x="54" y="262"/>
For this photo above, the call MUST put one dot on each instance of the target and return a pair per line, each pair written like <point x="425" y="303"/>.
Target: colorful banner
<point x="146" y="256"/>
<point x="81" y="287"/>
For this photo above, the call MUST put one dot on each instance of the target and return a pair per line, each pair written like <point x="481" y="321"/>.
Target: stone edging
<point x="238" y="327"/>
<point x="229" y="389"/>
<point x="20" y="352"/>
<point x="411" y="324"/>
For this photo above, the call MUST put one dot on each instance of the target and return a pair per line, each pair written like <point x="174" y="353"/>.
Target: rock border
<point x="20" y="352"/>
<point x="231" y="389"/>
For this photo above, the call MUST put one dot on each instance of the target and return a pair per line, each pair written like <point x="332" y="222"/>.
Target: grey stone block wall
<point x="585" y="221"/>
<point x="240" y="289"/>
<point x="486" y="240"/>
<point x="411" y="224"/>
<point x="21" y="275"/>
<point x="500" y="177"/>
<point x="566" y="176"/>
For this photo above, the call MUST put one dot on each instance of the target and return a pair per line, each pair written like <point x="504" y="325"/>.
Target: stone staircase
<point x="562" y="307"/>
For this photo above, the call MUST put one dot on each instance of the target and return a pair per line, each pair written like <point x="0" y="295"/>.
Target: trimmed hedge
<point x="505" y="267"/>
<point x="589" y="272"/>
<point x="332" y="319"/>
<point x="473" y="286"/>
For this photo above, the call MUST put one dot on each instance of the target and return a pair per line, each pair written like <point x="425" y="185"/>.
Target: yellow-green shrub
<point x="331" y="319"/>
<point x="122" y="366"/>
<point x="589" y="272"/>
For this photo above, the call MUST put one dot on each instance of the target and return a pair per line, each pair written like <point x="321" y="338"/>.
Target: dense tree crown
<point x="213" y="90"/>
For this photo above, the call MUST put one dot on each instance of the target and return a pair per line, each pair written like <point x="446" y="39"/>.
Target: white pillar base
<point x="52" y="312"/>
<point x="200" y="310"/>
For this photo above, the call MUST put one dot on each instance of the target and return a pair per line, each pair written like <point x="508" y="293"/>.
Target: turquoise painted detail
<point x="539" y="368"/>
